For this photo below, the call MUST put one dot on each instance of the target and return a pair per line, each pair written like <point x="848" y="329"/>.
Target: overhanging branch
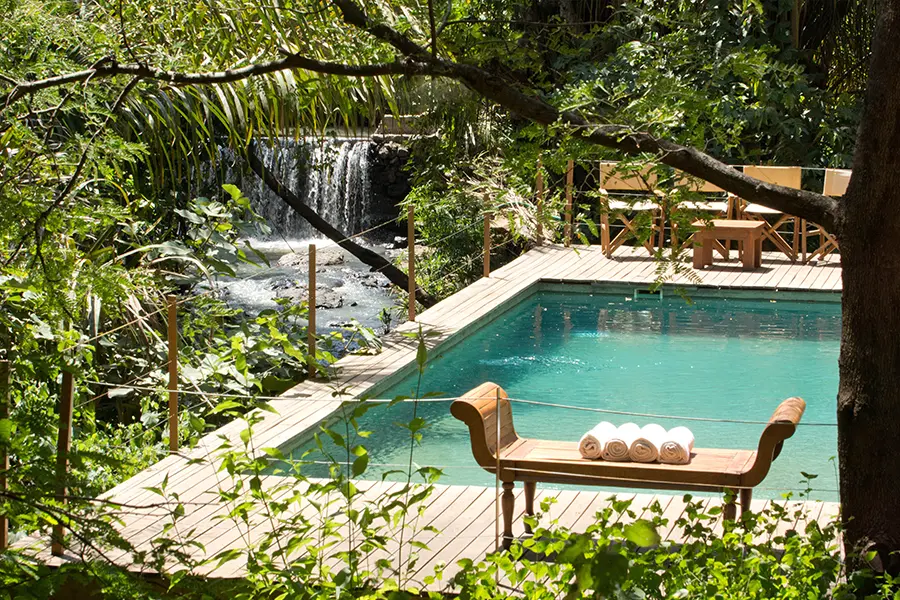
<point x="377" y="262"/>
<point x="290" y="61"/>
<point x="809" y="205"/>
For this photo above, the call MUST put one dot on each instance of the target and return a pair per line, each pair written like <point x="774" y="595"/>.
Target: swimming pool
<point x="726" y="358"/>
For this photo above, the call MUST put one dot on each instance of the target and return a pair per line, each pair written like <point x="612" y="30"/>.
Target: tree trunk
<point x="371" y="258"/>
<point x="869" y="391"/>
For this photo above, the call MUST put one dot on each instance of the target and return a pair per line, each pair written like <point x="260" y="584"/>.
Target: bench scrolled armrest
<point x="789" y="411"/>
<point x="781" y="426"/>
<point x="477" y="408"/>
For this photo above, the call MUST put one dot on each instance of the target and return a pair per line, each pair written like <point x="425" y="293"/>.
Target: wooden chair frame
<point x="836" y="181"/>
<point x="610" y="183"/>
<point x="497" y="448"/>
<point x="697" y="209"/>
<point x="787" y="177"/>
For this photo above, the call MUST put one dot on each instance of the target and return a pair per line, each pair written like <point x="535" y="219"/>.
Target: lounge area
<point x="644" y="206"/>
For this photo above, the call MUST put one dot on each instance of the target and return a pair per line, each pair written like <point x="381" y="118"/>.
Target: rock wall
<point x="388" y="180"/>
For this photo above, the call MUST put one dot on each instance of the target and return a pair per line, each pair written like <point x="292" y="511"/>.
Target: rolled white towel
<point x="645" y="448"/>
<point x="619" y="443"/>
<point x="676" y="449"/>
<point x="594" y="441"/>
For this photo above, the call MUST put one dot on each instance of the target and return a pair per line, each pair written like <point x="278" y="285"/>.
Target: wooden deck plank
<point x="770" y="279"/>
<point x="824" y="272"/>
<point x="311" y="402"/>
<point x="475" y="522"/>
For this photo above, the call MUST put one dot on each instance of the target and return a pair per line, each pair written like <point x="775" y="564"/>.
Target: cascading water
<point x="334" y="177"/>
<point x="331" y="176"/>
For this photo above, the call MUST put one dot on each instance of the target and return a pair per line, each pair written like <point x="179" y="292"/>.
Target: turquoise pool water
<point x="716" y="358"/>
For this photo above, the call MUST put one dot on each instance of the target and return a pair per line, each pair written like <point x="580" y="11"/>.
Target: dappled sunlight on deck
<point x="465" y="515"/>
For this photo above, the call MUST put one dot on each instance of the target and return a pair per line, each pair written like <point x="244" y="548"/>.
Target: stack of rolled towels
<point x="647" y="444"/>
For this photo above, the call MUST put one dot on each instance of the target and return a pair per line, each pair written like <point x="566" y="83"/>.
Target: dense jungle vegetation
<point x="103" y="217"/>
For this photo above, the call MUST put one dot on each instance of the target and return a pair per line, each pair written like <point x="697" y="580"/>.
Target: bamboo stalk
<point x="411" y="259"/>
<point x="63" y="443"/>
<point x="173" y="372"/>
<point x="4" y="455"/>
<point x="539" y="229"/>
<point x="487" y="244"/>
<point x="311" y="317"/>
<point x="570" y="178"/>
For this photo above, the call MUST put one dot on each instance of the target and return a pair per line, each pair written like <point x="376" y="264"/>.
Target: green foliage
<point x="100" y="222"/>
<point x="299" y="536"/>
<point x="761" y="555"/>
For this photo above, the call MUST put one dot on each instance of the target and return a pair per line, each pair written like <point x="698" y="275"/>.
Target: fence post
<point x="411" y="268"/>
<point x="4" y="455"/>
<point x="540" y="202"/>
<point x="173" y="372"/>
<point x="311" y="318"/>
<point x="63" y="444"/>
<point x="795" y="23"/>
<point x="570" y="177"/>
<point x="487" y="244"/>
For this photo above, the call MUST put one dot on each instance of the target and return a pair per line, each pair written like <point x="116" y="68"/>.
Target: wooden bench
<point x="749" y="233"/>
<point x="530" y="461"/>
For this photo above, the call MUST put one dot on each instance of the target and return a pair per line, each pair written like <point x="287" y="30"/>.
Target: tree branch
<point x="290" y="61"/>
<point x="73" y="179"/>
<point x="431" y="26"/>
<point x="354" y="15"/>
<point x="811" y="206"/>
<point x="371" y="258"/>
<point x="814" y="207"/>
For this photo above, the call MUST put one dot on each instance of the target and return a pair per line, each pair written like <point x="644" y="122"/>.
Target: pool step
<point x="642" y="294"/>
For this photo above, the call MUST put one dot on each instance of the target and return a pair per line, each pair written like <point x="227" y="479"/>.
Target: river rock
<point x="325" y="296"/>
<point x="374" y="280"/>
<point x="325" y="257"/>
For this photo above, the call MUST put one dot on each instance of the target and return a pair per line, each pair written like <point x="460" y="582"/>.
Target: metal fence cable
<point x="450" y="399"/>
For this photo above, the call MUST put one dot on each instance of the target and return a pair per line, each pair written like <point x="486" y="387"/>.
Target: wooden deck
<point x="464" y="514"/>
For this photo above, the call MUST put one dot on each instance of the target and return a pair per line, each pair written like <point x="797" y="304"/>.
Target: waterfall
<point x="329" y="175"/>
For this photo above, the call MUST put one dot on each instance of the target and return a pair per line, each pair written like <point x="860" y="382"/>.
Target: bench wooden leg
<point x="707" y="252"/>
<point x="508" y="503"/>
<point x="746" y="499"/>
<point x="729" y="511"/>
<point x="530" y="488"/>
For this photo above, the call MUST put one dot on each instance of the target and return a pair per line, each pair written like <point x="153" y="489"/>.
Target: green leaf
<point x="337" y="438"/>
<point x="274" y="453"/>
<point x="642" y="533"/>
<point x="421" y="355"/>
<point x="360" y="464"/>
<point x="224" y="406"/>
<point x="7" y="428"/>
<point x="198" y="424"/>
<point x="233" y="191"/>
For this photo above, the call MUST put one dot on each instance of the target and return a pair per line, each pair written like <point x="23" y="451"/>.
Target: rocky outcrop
<point x="325" y="257"/>
<point x="326" y="297"/>
<point x="388" y="179"/>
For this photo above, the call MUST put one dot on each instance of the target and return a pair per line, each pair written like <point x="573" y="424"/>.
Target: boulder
<point x="325" y="257"/>
<point x="325" y="296"/>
